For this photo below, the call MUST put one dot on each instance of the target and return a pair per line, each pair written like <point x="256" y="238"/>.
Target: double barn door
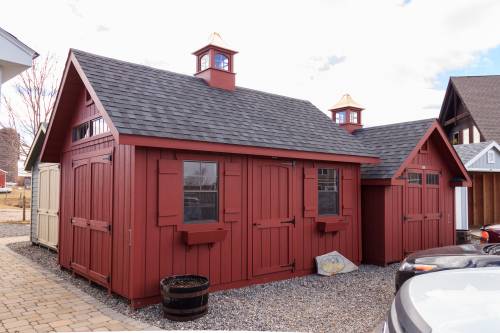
<point x="423" y="210"/>
<point x="92" y="217"/>
<point x="272" y="216"/>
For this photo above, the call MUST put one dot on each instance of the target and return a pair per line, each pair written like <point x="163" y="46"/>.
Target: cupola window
<point x="340" y="117"/>
<point x="354" y="117"/>
<point x="221" y="62"/>
<point x="204" y="62"/>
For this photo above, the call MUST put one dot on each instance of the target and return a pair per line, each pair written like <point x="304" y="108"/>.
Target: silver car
<point x="462" y="300"/>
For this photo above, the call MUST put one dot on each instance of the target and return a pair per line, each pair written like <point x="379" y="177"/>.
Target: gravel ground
<point x="14" y="229"/>
<point x="353" y="302"/>
<point x="13" y="214"/>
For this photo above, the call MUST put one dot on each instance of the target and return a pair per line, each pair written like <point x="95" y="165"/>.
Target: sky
<point x="393" y="56"/>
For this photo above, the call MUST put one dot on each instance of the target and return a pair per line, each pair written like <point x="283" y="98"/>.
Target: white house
<point x="15" y="56"/>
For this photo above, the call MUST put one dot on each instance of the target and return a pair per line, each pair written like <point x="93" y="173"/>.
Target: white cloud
<point x="385" y="54"/>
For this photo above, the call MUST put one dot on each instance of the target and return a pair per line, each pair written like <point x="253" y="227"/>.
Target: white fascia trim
<point x="481" y="153"/>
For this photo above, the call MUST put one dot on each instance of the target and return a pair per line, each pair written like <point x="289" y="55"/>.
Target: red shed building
<point x="408" y="198"/>
<point x="164" y="173"/>
<point x="3" y="178"/>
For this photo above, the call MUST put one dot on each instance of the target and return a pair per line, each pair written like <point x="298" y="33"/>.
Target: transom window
<point x="353" y="117"/>
<point x="432" y="179"/>
<point x="89" y="128"/>
<point x="221" y="62"/>
<point x="340" y="117"/>
<point x="204" y="62"/>
<point x="415" y="178"/>
<point x="328" y="191"/>
<point x="200" y="192"/>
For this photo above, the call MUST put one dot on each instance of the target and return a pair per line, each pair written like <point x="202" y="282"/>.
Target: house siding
<point x="482" y="162"/>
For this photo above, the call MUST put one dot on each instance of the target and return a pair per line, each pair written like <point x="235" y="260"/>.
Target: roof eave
<point x="158" y="142"/>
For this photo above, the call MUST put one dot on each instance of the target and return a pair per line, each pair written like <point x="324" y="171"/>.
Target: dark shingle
<point x="146" y="101"/>
<point x="393" y="144"/>
<point x="469" y="151"/>
<point x="481" y="96"/>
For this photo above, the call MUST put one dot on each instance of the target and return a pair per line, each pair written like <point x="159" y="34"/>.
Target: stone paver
<point x="35" y="300"/>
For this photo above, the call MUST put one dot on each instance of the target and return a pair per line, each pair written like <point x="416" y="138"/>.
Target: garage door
<point x="423" y="210"/>
<point x="92" y="218"/>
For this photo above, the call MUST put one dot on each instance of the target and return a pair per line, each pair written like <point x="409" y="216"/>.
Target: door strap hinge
<point x="109" y="227"/>
<point x="292" y="221"/>
<point x="291" y="265"/>
<point x="108" y="158"/>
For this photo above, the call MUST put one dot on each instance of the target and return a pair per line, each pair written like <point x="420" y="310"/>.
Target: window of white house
<point x="353" y="117"/>
<point x="455" y="139"/>
<point x="465" y="136"/>
<point x="221" y="62"/>
<point x="204" y="62"/>
<point x="491" y="157"/>
<point x="328" y="191"/>
<point x="476" y="137"/>
<point x="340" y="117"/>
<point x="200" y="192"/>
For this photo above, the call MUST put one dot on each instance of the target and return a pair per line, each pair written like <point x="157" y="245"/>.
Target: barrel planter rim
<point x="202" y="286"/>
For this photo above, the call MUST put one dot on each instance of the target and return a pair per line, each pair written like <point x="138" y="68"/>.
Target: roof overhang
<point x="148" y="141"/>
<point x="15" y="56"/>
<point x="34" y="151"/>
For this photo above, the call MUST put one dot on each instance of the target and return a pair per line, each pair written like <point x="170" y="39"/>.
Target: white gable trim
<point x="25" y="48"/>
<point x="493" y="144"/>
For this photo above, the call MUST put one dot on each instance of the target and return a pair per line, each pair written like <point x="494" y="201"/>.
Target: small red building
<point x="3" y="178"/>
<point x="408" y="198"/>
<point x="164" y="173"/>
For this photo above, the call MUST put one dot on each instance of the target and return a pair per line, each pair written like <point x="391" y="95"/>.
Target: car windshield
<point x="492" y="249"/>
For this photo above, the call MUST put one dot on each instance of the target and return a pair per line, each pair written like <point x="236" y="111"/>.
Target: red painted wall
<point x="159" y="251"/>
<point x="2" y="179"/>
<point x="387" y="235"/>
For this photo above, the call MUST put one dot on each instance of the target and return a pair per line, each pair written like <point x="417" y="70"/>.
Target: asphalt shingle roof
<point x="467" y="152"/>
<point x="393" y="144"/>
<point x="141" y="100"/>
<point x="481" y="96"/>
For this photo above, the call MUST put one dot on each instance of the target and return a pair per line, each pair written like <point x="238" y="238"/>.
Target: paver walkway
<point x="34" y="300"/>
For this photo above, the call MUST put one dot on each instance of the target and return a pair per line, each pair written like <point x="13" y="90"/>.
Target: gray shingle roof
<point x="467" y="152"/>
<point x="481" y="96"/>
<point x="141" y="100"/>
<point x="392" y="143"/>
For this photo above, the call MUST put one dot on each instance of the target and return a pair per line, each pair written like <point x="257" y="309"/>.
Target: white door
<point x="48" y="205"/>
<point x="461" y="208"/>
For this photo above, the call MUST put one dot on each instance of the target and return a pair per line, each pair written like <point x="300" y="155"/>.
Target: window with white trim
<point x="476" y="137"/>
<point x="491" y="157"/>
<point x="200" y="192"/>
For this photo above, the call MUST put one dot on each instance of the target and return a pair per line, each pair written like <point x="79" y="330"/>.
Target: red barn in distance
<point x="3" y="178"/>
<point x="164" y="173"/>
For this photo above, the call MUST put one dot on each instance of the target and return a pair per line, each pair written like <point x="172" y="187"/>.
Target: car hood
<point x="451" y="301"/>
<point x="455" y="250"/>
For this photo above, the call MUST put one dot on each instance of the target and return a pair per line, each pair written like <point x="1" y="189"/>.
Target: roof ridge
<point x="400" y="123"/>
<point x="470" y="76"/>
<point x="185" y="75"/>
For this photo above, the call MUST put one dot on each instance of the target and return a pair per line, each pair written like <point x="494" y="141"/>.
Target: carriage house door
<point x="414" y="212"/>
<point x="92" y="218"/>
<point x="272" y="216"/>
<point x="423" y="210"/>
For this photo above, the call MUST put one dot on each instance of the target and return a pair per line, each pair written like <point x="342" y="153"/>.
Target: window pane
<point x="354" y="117"/>
<point x="432" y="179"/>
<point x="204" y="62"/>
<point x="415" y="178"/>
<point x="340" y="118"/>
<point x="491" y="157"/>
<point x="221" y="62"/>
<point x="328" y="192"/>
<point x="200" y="192"/>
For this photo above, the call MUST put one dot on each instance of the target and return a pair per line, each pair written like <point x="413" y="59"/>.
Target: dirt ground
<point x="14" y="198"/>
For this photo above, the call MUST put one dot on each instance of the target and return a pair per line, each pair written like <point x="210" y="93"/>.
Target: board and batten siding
<point x="35" y="173"/>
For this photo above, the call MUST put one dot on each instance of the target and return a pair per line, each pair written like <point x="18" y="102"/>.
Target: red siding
<point x="244" y="256"/>
<point x="2" y="179"/>
<point x="414" y="217"/>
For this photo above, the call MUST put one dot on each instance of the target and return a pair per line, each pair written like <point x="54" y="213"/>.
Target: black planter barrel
<point x="184" y="297"/>
<point x="463" y="237"/>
